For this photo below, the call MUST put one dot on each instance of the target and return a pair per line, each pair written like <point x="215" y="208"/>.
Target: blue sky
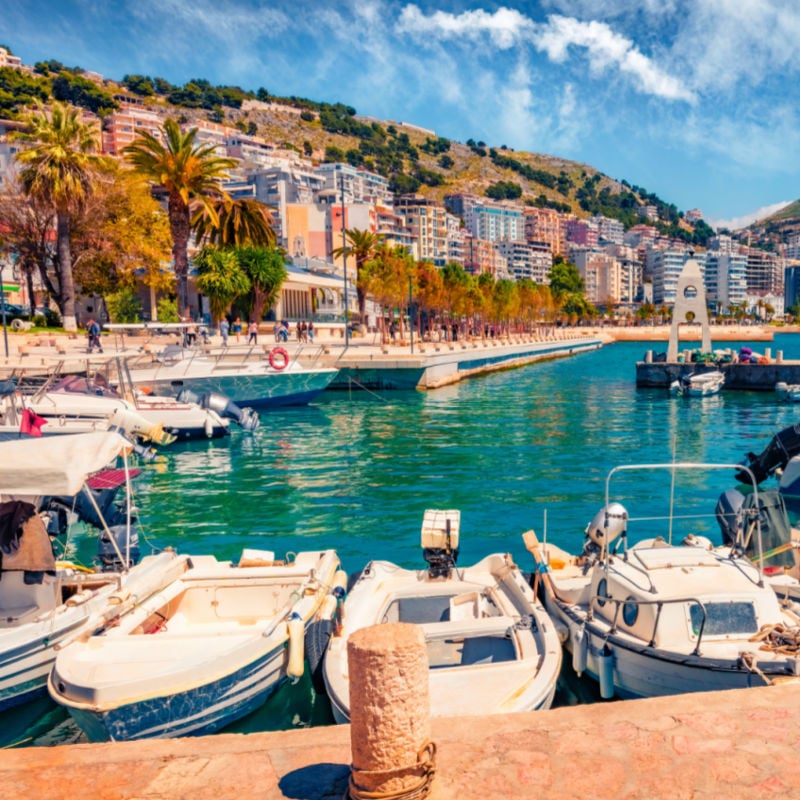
<point x="695" y="100"/>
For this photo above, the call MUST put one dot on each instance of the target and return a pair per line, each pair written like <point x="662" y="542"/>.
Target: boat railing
<point x="674" y="467"/>
<point x="618" y="604"/>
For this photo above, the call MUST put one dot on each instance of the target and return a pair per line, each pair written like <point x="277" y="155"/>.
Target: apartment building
<point x="602" y="276"/>
<point x="664" y="264"/>
<point x="121" y="127"/>
<point x="546" y="225"/>
<point x="582" y="233"/>
<point x="609" y="231"/>
<point x="427" y="222"/>
<point x="496" y="223"/>
<point x="359" y="185"/>
<point x="484" y="257"/>
<point x="764" y="272"/>
<point x="524" y="260"/>
<point x="725" y="278"/>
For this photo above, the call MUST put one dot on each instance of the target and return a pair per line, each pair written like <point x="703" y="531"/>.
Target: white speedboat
<point x="788" y="392"/>
<point x="492" y="648"/>
<point x="43" y="603"/>
<point x="659" y="619"/>
<point x="203" y="652"/>
<point x="699" y="384"/>
<point x="257" y="382"/>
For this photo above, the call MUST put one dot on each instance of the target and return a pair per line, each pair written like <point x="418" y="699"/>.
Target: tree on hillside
<point x="186" y="171"/>
<point x="360" y="245"/>
<point x="57" y="170"/>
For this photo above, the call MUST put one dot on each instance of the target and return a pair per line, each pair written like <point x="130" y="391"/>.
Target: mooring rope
<point x="426" y="766"/>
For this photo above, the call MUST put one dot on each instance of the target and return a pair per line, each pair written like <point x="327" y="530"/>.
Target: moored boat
<point x="657" y="618"/>
<point x="45" y="603"/>
<point x="699" y="384"/>
<point x="491" y="646"/>
<point x="203" y="652"/>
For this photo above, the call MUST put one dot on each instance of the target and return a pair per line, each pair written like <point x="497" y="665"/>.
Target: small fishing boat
<point x="699" y="384"/>
<point x="204" y="651"/>
<point x="492" y="648"/>
<point x="45" y="603"/>
<point x="656" y="618"/>
<point x="788" y="392"/>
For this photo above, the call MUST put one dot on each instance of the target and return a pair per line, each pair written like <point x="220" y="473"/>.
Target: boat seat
<point x="14" y="616"/>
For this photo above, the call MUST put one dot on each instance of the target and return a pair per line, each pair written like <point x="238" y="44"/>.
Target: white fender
<point x="605" y="672"/>
<point x="580" y="649"/>
<point x="296" y="667"/>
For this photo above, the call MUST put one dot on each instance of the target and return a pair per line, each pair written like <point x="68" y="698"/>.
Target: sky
<point x="694" y="100"/>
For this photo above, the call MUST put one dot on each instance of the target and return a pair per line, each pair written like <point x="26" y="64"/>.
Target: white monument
<point x="690" y="306"/>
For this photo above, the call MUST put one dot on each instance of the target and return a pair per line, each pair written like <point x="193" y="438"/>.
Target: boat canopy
<point x="56" y="465"/>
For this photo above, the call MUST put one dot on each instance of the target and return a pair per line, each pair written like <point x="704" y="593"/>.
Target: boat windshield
<point x="723" y="619"/>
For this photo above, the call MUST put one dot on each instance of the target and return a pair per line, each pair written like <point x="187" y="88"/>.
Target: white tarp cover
<point x="56" y="464"/>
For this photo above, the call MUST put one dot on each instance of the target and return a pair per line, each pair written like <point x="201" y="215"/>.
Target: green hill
<point x="412" y="159"/>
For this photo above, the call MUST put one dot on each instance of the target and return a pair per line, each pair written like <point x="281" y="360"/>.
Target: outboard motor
<point x="608" y="523"/>
<point x="107" y="554"/>
<point x="226" y="408"/>
<point x="439" y="540"/>
<point x="729" y="515"/>
<point x="777" y="454"/>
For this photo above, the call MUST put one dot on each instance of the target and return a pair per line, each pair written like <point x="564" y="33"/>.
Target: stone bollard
<point x="389" y="712"/>
<point x="779" y="357"/>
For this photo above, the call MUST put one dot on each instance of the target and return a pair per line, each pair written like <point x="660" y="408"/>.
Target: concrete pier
<point x="734" y="744"/>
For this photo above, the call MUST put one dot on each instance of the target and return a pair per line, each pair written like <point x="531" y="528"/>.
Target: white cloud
<point x="736" y="223"/>
<point x="507" y="28"/>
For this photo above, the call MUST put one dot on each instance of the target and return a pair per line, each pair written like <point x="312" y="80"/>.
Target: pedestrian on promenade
<point x="93" y="332"/>
<point x="224" y="330"/>
<point x="252" y="332"/>
<point x="311" y="332"/>
<point x="237" y="329"/>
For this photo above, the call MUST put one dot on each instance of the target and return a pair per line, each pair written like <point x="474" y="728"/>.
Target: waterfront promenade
<point x="734" y="744"/>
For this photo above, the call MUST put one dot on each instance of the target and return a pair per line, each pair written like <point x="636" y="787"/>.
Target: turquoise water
<point x="521" y="449"/>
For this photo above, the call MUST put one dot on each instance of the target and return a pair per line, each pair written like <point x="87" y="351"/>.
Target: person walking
<point x="237" y="329"/>
<point x="311" y="332"/>
<point x="252" y="332"/>
<point x="224" y="330"/>
<point x="93" y="331"/>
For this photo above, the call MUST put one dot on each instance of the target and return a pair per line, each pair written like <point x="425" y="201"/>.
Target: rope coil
<point x="426" y="766"/>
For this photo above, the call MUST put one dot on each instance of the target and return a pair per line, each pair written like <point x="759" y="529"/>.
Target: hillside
<point x="412" y="159"/>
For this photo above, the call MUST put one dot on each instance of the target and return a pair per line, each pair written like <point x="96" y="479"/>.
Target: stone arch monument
<point x="690" y="298"/>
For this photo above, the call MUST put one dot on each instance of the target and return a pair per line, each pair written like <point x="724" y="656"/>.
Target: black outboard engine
<point x="226" y="408"/>
<point x="439" y="540"/>
<point x="115" y="542"/>
<point x="777" y="454"/>
<point x="729" y="515"/>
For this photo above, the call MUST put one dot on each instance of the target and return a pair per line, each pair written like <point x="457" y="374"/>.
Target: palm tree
<point x="361" y="245"/>
<point x="57" y="171"/>
<point x="186" y="170"/>
<point x="240" y="222"/>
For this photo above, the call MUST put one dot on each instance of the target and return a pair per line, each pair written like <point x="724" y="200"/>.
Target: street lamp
<point x="3" y="304"/>
<point x="410" y="315"/>
<point x="344" y="261"/>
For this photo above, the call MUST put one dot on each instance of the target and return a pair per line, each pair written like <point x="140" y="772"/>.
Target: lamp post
<point x="410" y="315"/>
<point x="344" y="261"/>
<point x="3" y="304"/>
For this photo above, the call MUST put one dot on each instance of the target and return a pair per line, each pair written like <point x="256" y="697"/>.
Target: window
<point x="630" y="612"/>
<point x="724" y="619"/>
<point x="602" y="592"/>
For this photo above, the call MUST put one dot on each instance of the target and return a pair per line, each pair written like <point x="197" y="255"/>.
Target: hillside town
<point x="313" y="203"/>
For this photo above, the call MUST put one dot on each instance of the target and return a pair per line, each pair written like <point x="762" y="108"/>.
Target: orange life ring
<point x="278" y="358"/>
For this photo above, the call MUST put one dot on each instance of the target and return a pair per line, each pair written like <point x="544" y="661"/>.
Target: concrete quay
<point x="733" y="744"/>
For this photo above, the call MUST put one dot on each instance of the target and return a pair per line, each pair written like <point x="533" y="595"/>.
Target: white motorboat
<point x="788" y="392"/>
<point x="203" y="652"/>
<point x="492" y="648"/>
<point x="658" y="619"/>
<point x="699" y="384"/>
<point x="44" y="603"/>
<point x="258" y="382"/>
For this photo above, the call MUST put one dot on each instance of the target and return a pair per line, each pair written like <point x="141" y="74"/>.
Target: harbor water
<point x="520" y="449"/>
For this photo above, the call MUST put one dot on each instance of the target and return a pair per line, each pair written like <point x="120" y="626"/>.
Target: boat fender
<point x="317" y="638"/>
<point x="605" y="672"/>
<point x="338" y="614"/>
<point x="580" y="649"/>
<point x="278" y="358"/>
<point x="209" y="428"/>
<point x="295" y="667"/>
